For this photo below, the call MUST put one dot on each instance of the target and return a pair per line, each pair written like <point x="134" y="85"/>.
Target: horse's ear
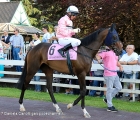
<point x="113" y="26"/>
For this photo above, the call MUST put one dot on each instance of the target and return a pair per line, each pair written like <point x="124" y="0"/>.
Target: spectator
<point x="120" y="74"/>
<point x="139" y="78"/>
<point x="123" y="52"/>
<point x="46" y="36"/>
<point x="68" y="90"/>
<point x="53" y="38"/>
<point x="33" y="43"/>
<point x="2" y="46"/>
<point x="130" y="58"/>
<point x="110" y="61"/>
<point x="98" y="73"/>
<point x="6" y="37"/>
<point x="18" y="44"/>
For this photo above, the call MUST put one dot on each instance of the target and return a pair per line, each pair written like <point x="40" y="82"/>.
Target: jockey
<point x="65" y="31"/>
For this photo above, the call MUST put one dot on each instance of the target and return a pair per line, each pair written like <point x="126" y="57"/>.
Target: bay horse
<point x="37" y="59"/>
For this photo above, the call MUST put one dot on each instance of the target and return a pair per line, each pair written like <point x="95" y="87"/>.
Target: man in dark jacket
<point x="6" y="37"/>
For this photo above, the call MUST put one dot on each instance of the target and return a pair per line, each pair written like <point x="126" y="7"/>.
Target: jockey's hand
<point x="77" y="30"/>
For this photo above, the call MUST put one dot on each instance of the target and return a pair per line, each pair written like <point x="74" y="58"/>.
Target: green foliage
<point x="32" y="12"/>
<point x="94" y="14"/>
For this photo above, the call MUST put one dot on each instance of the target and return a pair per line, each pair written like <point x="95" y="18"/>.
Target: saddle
<point x="53" y="54"/>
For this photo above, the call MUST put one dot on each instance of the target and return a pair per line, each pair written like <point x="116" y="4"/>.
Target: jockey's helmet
<point x="73" y="10"/>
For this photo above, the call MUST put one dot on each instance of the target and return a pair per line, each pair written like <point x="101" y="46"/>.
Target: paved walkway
<point x="40" y="110"/>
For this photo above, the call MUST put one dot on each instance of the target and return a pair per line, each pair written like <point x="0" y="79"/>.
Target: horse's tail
<point x="23" y="75"/>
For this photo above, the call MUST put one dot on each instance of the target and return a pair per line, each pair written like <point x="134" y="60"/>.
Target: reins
<point x="99" y="63"/>
<point x="84" y="54"/>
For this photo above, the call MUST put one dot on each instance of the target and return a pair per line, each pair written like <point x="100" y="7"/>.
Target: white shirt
<point x="46" y="36"/>
<point x="53" y="35"/>
<point x="129" y="58"/>
<point x="5" y="37"/>
<point x="139" y="59"/>
<point x="35" y="42"/>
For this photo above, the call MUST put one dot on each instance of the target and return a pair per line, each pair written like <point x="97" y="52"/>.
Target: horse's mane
<point x="90" y="38"/>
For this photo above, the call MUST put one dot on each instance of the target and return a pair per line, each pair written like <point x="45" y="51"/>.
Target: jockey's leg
<point x="65" y="48"/>
<point x="69" y="43"/>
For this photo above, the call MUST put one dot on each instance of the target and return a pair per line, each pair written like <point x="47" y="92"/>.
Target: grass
<point x="62" y="98"/>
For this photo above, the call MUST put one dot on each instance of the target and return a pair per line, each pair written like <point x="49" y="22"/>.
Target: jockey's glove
<point x="77" y="30"/>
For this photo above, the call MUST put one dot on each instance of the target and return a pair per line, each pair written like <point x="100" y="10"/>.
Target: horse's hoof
<point x="22" y="109"/>
<point x="69" y="105"/>
<point x="87" y="115"/>
<point x="59" y="110"/>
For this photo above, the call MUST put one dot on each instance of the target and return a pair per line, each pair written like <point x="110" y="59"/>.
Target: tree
<point x="32" y="12"/>
<point x="95" y="14"/>
<point x="126" y="15"/>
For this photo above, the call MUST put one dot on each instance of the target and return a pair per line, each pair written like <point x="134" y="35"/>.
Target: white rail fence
<point x="8" y="54"/>
<point x="134" y="68"/>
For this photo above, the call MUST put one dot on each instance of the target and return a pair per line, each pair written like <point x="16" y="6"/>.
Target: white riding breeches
<point x="74" y="42"/>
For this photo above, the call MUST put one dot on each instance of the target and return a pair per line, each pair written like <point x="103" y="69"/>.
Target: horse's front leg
<point x="86" y="114"/>
<point x="82" y="84"/>
<point x="50" y="90"/>
<point x="49" y="77"/>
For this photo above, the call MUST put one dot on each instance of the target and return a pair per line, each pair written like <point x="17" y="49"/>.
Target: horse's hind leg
<point x="21" y="99"/>
<point x="24" y="87"/>
<point x="49" y="77"/>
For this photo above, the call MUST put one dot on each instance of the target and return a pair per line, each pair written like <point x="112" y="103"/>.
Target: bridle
<point x="107" y="42"/>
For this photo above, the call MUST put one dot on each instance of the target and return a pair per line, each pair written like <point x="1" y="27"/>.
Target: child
<point x="110" y="61"/>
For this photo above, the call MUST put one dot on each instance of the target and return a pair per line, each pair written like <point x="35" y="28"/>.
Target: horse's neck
<point x="86" y="51"/>
<point x="95" y="46"/>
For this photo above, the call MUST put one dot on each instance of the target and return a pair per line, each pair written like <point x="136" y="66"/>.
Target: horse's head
<point x="112" y="40"/>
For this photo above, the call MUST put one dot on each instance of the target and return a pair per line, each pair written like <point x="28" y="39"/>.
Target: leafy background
<point x="94" y="14"/>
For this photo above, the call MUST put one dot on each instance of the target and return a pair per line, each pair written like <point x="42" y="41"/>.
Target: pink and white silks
<point x="65" y="32"/>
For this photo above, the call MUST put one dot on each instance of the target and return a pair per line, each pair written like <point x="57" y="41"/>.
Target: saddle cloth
<point x="53" y="53"/>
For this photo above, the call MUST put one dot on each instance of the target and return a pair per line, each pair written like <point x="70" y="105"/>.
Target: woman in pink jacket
<point x="65" y="30"/>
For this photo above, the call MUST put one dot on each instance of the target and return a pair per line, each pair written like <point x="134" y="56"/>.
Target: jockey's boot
<point x="64" y="49"/>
